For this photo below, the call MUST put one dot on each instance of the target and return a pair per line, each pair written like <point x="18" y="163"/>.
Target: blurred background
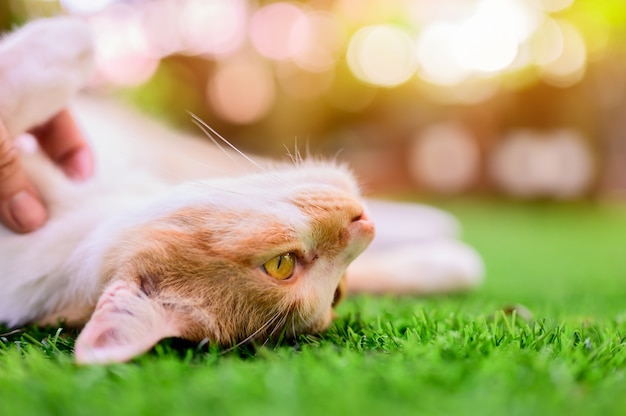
<point x="522" y="98"/>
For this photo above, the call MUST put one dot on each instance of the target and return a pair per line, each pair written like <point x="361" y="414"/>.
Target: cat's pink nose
<point x="361" y="217"/>
<point x="362" y="226"/>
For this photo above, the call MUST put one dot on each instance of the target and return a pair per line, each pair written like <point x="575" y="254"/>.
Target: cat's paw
<point x="432" y="267"/>
<point x="42" y="65"/>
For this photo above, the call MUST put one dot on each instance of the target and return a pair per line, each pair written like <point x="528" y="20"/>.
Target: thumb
<point x="20" y="207"/>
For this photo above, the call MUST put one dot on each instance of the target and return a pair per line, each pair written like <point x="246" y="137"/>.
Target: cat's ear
<point x="125" y="323"/>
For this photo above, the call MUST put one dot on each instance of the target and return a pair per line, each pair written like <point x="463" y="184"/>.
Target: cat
<point x="176" y="237"/>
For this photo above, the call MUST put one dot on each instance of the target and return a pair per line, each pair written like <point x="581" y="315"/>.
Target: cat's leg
<point x="402" y="222"/>
<point x="426" y="267"/>
<point x="33" y="90"/>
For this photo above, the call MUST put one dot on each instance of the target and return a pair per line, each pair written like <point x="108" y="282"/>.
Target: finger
<point x="20" y="207"/>
<point x="61" y="139"/>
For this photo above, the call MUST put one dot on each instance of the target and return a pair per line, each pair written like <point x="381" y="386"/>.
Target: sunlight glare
<point x="437" y="54"/>
<point x="480" y="49"/>
<point x="521" y="16"/>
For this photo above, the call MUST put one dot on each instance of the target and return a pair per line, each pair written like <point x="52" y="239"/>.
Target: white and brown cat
<point x="175" y="237"/>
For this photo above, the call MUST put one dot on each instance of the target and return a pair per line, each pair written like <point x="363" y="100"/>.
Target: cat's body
<point x="175" y="237"/>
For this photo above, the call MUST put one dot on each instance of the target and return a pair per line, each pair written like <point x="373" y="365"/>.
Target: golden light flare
<point x="569" y="66"/>
<point x="478" y="49"/>
<point x="382" y="55"/>
<point x="553" y="6"/>
<point x="438" y="54"/>
<point x="547" y="42"/>
<point x="449" y="44"/>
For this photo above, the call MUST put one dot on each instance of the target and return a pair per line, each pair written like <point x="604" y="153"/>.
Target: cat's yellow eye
<point x="281" y="267"/>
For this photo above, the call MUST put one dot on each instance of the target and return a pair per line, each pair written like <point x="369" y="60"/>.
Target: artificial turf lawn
<point x="566" y="263"/>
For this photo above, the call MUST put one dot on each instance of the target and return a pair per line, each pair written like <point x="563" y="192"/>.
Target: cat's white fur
<point x="138" y="161"/>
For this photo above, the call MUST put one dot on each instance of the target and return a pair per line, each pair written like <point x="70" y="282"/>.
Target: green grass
<point x="447" y="355"/>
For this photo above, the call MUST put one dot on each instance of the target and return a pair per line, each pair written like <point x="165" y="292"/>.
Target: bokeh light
<point x="85" y="7"/>
<point x="124" y="55"/>
<point x="466" y="75"/>
<point x="438" y="54"/>
<point x="165" y="39"/>
<point x="569" y="67"/>
<point x="303" y="85"/>
<point x="532" y="164"/>
<point x="273" y="30"/>
<point x="477" y="47"/>
<point x="319" y="41"/>
<point x="382" y="55"/>
<point x="241" y="90"/>
<point x="547" y="42"/>
<point x="553" y="6"/>
<point x="216" y="27"/>
<point x="445" y="158"/>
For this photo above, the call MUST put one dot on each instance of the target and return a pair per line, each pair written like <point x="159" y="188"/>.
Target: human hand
<point x="21" y="208"/>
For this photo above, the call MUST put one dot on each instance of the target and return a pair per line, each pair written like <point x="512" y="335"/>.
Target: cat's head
<point x="231" y="260"/>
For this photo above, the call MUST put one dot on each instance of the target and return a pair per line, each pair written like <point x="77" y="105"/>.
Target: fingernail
<point x="27" y="211"/>
<point x="79" y="166"/>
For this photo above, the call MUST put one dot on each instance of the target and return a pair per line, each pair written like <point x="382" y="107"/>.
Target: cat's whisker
<point x="297" y="155"/>
<point x="336" y="156"/>
<point x="280" y="324"/>
<point x="302" y="317"/>
<point x="293" y="158"/>
<point x="254" y="334"/>
<point x="307" y="151"/>
<point x="206" y="129"/>
<point x="293" y="325"/>
<point x="308" y="148"/>
<point x="298" y="159"/>
<point x="216" y="143"/>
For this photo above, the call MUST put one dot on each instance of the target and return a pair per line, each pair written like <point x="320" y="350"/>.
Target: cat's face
<point x="234" y="259"/>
